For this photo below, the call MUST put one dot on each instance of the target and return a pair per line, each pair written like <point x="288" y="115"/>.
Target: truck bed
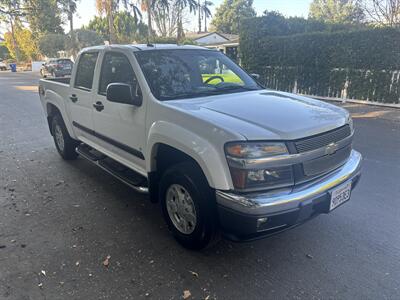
<point x="64" y="80"/>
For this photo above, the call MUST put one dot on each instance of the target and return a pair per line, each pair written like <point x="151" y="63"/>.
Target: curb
<point x="391" y="105"/>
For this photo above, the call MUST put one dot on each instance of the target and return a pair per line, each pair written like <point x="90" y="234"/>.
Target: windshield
<point x="178" y="74"/>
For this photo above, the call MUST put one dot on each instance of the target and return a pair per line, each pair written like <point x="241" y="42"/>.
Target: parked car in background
<point x="57" y="67"/>
<point x="3" y="66"/>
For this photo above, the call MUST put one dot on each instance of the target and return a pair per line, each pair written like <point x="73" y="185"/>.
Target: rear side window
<point x="65" y="62"/>
<point x="85" y="71"/>
<point x="116" y="68"/>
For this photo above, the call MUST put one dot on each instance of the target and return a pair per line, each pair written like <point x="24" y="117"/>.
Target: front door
<point x="81" y="97"/>
<point x="117" y="125"/>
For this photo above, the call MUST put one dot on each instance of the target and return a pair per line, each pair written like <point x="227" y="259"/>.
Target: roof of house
<point x="196" y="35"/>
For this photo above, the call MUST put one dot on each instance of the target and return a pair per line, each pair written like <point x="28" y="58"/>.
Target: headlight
<point x="247" y="174"/>
<point x="255" y="150"/>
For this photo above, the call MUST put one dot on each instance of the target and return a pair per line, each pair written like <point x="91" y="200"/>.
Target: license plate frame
<point x="340" y="195"/>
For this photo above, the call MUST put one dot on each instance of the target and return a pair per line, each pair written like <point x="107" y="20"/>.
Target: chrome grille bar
<point x="319" y="141"/>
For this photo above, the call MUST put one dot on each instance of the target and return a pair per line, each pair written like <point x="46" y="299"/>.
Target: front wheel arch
<point x="164" y="157"/>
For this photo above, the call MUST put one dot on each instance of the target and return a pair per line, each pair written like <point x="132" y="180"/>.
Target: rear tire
<point x="189" y="206"/>
<point x="64" y="143"/>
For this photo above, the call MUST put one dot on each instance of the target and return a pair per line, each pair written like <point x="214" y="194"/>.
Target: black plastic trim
<point x="111" y="141"/>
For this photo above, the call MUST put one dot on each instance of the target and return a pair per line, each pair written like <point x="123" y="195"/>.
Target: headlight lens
<point x="262" y="178"/>
<point x="255" y="149"/>
<point x="239" y="154"/>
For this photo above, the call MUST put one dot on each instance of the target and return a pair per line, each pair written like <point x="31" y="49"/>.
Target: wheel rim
<point x="181" y="209"/>
<point x="59" y="137"/>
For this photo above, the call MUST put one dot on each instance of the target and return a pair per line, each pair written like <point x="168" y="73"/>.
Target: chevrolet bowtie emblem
<point x="331" y="148"/>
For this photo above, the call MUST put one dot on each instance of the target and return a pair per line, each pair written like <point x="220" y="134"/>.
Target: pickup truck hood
<point x="267" y="114"/>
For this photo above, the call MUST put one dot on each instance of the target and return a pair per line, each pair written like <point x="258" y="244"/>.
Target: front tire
<point x="64" y="143"/>
<point x="189" y="207"/>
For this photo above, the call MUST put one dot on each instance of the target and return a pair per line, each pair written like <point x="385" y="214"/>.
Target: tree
<point x="147" y="6"/>
<point x="229" y="14"/>
<point x="126" y="27"/>
<point x="337" y="11"/>
<point x="86" y="38"/>
<point x="206" y="12"/>
<point x="10" y="12"/>
<point x="180" y="6"/>
<point x="4" y="53"/>
<point x="52" y="43"/>
<point x="69" y="9"/>
<point x="110" y="8"/>
<point x="383" y="12"/>
<point x="43" y="16"/>
<point x="165" y="17"/>
<point x="27" y="49"/>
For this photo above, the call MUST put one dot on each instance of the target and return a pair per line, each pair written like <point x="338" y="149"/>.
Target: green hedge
<point x="323" y="63"/>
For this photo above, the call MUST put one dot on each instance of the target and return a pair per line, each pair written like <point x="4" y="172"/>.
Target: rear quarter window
<point x="85" y="70"/>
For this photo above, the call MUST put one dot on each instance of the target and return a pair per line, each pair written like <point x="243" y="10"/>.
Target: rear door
<point x="81" y="97"/>
<point x="118" y="126"/>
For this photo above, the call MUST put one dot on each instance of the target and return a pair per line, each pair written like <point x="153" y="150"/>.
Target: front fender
<point x="210" y="158"/>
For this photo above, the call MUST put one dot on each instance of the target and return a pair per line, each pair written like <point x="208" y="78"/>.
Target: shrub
<point x="365" y="61"/>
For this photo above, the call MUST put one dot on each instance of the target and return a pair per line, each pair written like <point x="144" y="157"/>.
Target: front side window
<point x="116" y="68"/>
<point x="85" y="71"/>
<point x="184" y="73"/>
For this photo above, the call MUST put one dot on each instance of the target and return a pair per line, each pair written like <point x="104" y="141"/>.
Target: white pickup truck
<point x="220" y="152"/>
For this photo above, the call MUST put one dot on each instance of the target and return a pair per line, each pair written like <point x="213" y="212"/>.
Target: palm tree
<point x="148" y="6"/>
<point x="200" y="9"/>
<point x="110" y="7"/>
<point x="137" y="14"/>
<point x="180" y="6"/>
<point x="206" y="11"/>
<point x="69" y="8"/>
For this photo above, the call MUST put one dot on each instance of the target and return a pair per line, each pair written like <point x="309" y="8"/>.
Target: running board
<point x="114" y="168"/>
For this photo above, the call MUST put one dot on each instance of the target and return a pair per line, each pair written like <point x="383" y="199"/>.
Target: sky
<point x="289" y="8"/>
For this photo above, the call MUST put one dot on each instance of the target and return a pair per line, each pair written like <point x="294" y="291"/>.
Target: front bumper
<point x="255" y="215"/>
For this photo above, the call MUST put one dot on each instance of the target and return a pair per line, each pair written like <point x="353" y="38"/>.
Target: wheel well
<point x="164" y="157"/>
<point x="52" y="111"/>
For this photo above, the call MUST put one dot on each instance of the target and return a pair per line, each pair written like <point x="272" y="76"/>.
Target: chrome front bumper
<point x="276" y="202"/>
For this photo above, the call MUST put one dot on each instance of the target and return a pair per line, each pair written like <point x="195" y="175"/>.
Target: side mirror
<point x="123" y="93"/>
<point x="255" y="76"/>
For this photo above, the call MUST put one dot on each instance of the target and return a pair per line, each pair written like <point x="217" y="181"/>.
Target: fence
<point x="369" y="85"/>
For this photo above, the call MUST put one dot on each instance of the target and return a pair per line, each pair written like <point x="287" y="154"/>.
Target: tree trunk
<point x="111" y="26"/>
<point x="71" y="31"/>
<point x="149" y="27"/>
<point x="205" y="16"/>
<point x="15" y="44"/>
<point x="199" y="7"/>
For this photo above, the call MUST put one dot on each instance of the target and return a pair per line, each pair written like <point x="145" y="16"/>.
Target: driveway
<point x="60" y="220"/>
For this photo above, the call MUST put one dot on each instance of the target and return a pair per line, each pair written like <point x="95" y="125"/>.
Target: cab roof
<point x="146" y="47"/>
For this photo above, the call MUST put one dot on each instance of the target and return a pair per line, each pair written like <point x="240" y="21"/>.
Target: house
<point x="208" y="38"/>
<point x="226" y="43"/>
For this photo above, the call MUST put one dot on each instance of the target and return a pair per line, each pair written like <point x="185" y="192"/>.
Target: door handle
<point x="73" y="98"/>
<point x="98" y="106"/>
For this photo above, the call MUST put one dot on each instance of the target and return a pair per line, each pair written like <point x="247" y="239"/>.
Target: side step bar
<point x="114" y="168"/>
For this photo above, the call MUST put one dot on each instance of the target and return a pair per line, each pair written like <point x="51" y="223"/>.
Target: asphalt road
<point x="60" y="220"/>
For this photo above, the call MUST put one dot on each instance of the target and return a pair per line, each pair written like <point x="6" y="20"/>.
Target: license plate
<point x="67" y="67"/>
<point x="340" y="195"/>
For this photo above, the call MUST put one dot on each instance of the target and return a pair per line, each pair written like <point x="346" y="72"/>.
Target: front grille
<point x="326" y="163"/>
<point x="321" y="140"/>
